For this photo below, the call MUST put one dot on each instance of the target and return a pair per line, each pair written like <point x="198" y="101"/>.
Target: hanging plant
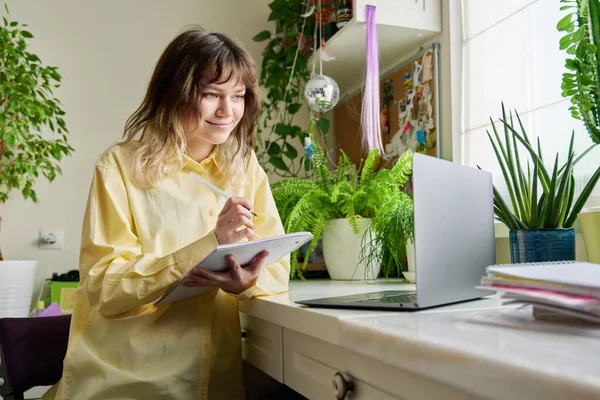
<point x="284" y="72"/>
<point x="582" y="42"/>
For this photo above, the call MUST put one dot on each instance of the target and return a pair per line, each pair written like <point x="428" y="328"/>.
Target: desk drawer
<point x="311" y="365"/>
<point x="262" y="345"/>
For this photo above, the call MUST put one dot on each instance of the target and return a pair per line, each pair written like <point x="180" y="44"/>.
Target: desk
<point x="472" y="350"/>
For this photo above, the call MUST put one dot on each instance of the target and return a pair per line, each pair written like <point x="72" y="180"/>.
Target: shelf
<point x="402" y="27"/>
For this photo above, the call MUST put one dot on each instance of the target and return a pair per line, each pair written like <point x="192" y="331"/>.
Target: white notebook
<point x="572" y="273"/>
<point x="245" y="252"/>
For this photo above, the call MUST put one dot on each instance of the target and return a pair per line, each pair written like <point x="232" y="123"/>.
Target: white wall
<point x="105" y="51"/>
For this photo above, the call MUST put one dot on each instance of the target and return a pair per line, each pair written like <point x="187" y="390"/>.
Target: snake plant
<point x="540" y="198"/>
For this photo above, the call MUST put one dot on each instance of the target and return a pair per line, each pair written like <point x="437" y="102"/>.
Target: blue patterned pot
<point x="538" y="245"/>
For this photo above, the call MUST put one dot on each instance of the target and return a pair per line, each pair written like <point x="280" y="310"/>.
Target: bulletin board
<point x="409" y="111"/>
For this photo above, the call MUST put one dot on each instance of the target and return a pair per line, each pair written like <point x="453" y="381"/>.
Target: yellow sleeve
<point x="273" y="278"/>
<point x="116" y="276"/>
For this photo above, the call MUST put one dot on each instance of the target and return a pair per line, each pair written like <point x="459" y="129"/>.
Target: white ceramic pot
<point x="342" y="248"/>
<point x="17" y="278"/>
<point x="410" y="275"/>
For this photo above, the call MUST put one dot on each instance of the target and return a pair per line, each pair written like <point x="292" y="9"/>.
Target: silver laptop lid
<point x="454" y="230"/>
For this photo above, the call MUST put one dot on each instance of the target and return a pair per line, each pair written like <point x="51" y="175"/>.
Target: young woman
<point x="148" y="222"/>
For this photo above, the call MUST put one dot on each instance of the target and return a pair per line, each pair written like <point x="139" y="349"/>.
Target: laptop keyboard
<point x="408" y="297"/>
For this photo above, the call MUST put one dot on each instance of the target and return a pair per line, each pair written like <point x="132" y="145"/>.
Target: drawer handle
<point x="341" y="386"/>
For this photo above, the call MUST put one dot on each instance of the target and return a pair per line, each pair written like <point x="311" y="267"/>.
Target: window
<point x="511" y="55"/>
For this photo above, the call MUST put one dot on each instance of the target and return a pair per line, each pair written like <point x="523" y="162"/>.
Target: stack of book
<point x="569" y="288"/>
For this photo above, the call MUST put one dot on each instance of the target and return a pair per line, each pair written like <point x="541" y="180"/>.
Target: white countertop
<point x="282" y="310"/>
<point x="478" y="346"/>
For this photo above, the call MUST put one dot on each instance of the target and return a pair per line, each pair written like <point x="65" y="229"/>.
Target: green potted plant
<point x="362" y="215"/>
<point x="581" y="83"/>
<point x="543" y="206"/>
<point x="27" y="107"/>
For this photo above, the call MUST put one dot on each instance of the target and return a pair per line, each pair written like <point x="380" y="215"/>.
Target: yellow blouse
<point x="135" y="243"/>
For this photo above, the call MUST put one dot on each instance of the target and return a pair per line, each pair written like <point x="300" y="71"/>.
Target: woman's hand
<point x="235" y="280"/>
<point x="234" y="215"/>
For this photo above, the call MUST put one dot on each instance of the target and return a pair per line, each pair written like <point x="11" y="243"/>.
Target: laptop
<point x="454" y="240"/>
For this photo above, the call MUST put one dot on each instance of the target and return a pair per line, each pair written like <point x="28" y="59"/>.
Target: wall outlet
<point x="52" y="239"/>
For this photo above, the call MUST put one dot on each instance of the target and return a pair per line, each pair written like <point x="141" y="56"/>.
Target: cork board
<point x="409" y="111"/>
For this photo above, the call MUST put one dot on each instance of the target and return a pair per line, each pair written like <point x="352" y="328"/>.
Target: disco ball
<point x="322" y="93"/>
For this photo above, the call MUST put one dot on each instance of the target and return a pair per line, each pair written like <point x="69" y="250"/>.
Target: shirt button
<point x="211" y="213"/>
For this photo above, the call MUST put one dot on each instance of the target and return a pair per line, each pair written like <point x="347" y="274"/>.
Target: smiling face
<point x="220" y="110"/>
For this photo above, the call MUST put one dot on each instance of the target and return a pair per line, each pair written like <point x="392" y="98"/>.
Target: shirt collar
<point x="213" y="158"/>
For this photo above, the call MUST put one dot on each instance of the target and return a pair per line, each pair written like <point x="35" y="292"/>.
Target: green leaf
<point x="26" y="34"/>
<point x="578" y="35"/>
<point x="583" y="197"/>
<point x="562" y="194"/>
<point x="581" y="50"/>
<point x="550" y="196"/>
<point x="273" y="149"/>
<point x="301" y="63"/>
<point x="262" y="36"/>
<point x="544" y="176"/>
<point x="564" y="22"/>
<point x="10" y="140"/>
<point x="294" y="108"/>
<point x="307" y="164"/>
<point x="503" y="161"/>
<point x="290" y="57"/>
<point x="284" y="130"/>
<point x="55" y="75"/>
<point x="278" y="162"/>
<point x="272" y="80"/>
<point x="291" y="151"/>
<point x="534" y="199"/>
<point x="33" y="57"/>
<point x="323" y="125"/>
<point x="565" y="41"/>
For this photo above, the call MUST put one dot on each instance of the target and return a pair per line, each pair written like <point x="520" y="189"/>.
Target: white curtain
<point x="511" y="55"/>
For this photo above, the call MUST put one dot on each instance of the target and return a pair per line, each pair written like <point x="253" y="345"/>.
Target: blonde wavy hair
<point x="196" y="57"/>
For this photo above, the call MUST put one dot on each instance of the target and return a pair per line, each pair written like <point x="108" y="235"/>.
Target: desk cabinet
<point x="311" y="366"/>
<point x="262" y="345"/>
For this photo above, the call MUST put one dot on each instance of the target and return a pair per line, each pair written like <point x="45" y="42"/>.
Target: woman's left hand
<point x="235" y="280"/>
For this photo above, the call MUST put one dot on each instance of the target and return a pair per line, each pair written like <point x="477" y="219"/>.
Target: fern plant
<point x="309" y="204"/>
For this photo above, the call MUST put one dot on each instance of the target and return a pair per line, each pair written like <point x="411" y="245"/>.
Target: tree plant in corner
<point x="366" y="206"/>
<point x="544" y="207"/>
<point x="29" y="114"/>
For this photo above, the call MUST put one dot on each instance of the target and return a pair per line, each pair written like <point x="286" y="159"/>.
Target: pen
<point x="213" y="188"/>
